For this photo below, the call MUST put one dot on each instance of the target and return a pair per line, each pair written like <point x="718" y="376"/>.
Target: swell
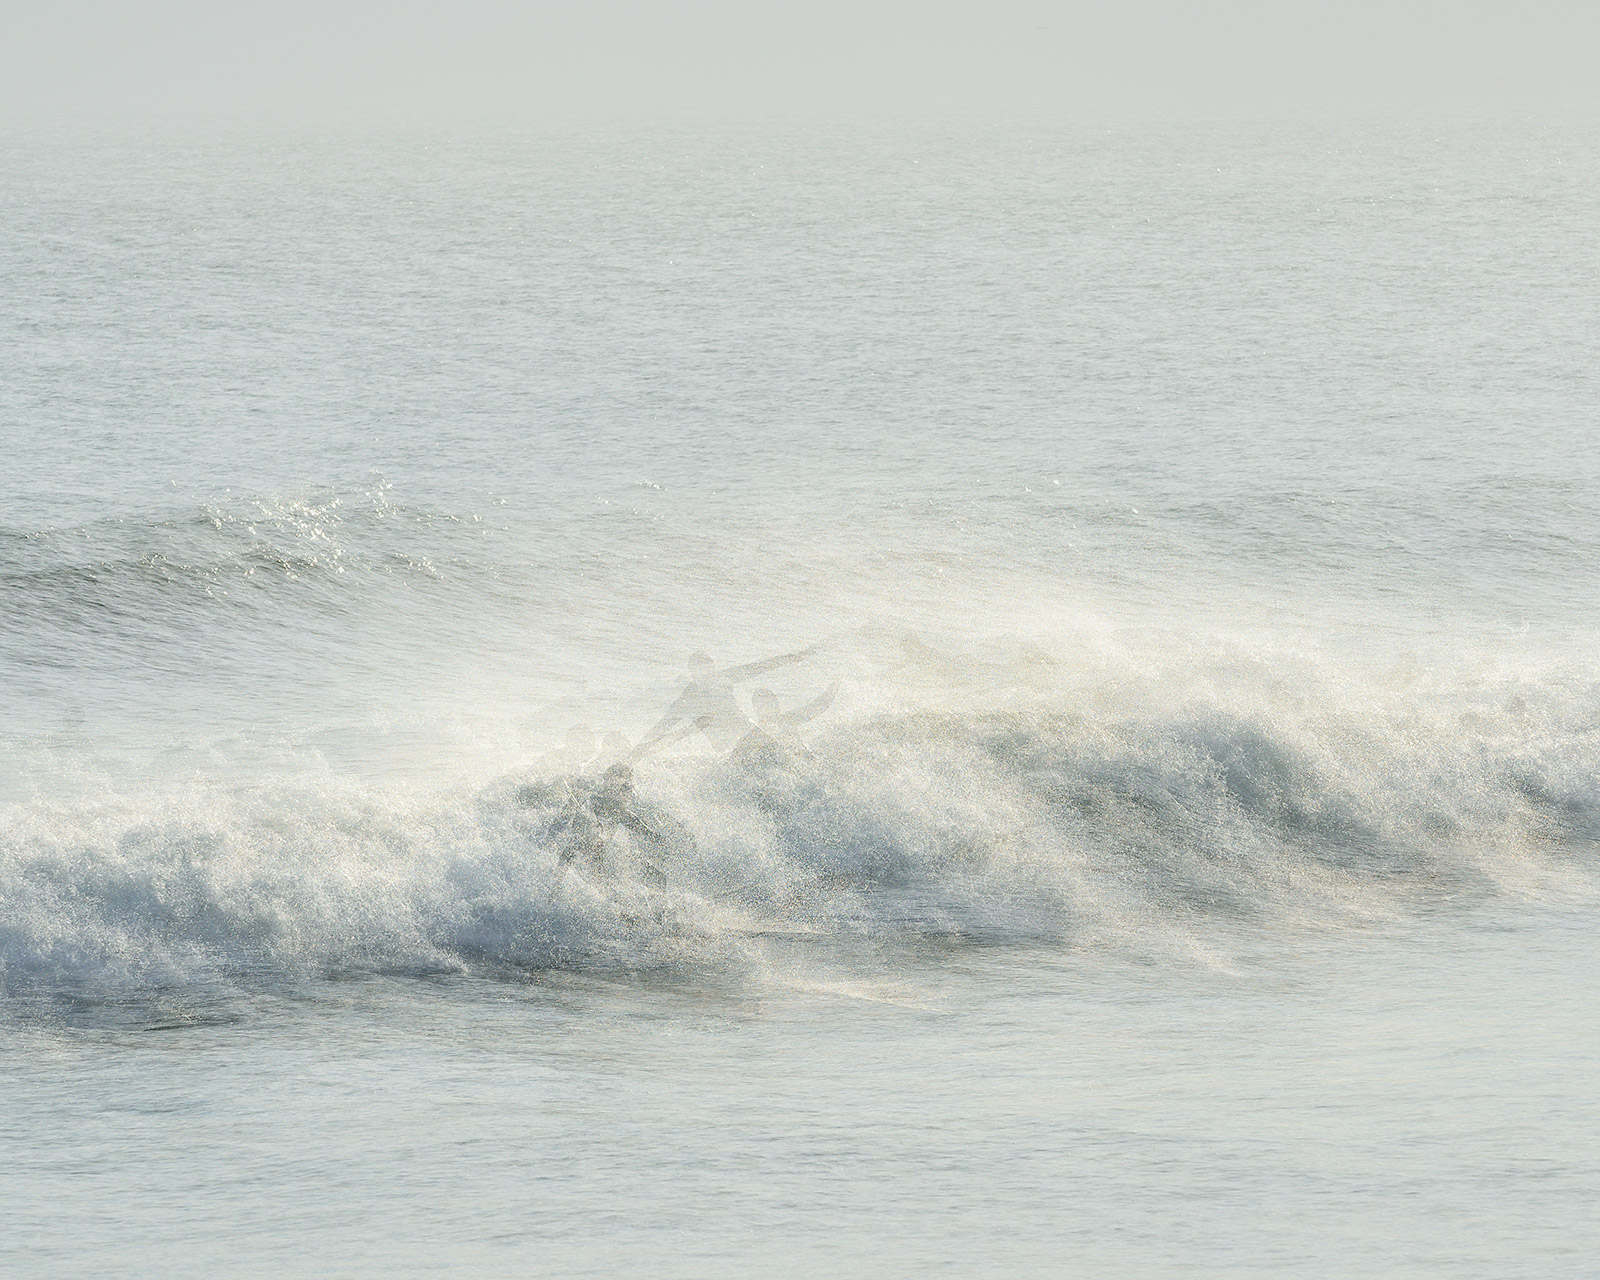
<point x="236" y="550"/>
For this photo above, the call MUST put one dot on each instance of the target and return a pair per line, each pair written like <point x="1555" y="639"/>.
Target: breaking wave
<point x="1041" y="825"/>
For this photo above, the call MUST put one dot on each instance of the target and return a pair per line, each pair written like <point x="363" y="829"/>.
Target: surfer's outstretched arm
<point x="677" y="713"/>
<point x="812" y="709"/>
<point x="649" y="743"/>
<point x="750" y="669"/>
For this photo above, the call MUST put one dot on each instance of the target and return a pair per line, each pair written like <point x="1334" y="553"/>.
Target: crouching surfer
<point x="600" y="808"/>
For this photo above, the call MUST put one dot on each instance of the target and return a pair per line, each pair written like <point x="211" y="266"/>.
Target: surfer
<point x="709" y="704"/>
<point x="772" y="739"/>
<point x="778" y="722"/>
<point x="599" y="808"/>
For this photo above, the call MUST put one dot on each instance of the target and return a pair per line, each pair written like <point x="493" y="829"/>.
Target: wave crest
<point x="1042" y="825"/>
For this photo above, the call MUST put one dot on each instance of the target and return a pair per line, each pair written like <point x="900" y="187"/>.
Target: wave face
<point x="1147" y="834"/>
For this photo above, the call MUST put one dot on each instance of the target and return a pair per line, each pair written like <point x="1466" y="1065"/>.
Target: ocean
<point x="1157" y="836"/>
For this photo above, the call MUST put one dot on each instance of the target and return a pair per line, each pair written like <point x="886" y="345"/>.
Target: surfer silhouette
<point x="599" y="808"/>
<point x="772" y="739"/>
<point x="776" y="721"/>
<point x="709" y="705"/>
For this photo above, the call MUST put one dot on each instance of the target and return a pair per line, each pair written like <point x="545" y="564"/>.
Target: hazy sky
<point x="554" y="59"/>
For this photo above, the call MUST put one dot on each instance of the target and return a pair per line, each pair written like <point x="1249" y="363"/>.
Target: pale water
<point x="1193" y="872"/>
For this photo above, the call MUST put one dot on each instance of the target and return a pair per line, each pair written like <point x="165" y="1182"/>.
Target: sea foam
<point x="1045" y="821"/>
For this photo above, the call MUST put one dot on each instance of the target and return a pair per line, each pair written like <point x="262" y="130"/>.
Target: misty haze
<point x="813" y="640"/>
